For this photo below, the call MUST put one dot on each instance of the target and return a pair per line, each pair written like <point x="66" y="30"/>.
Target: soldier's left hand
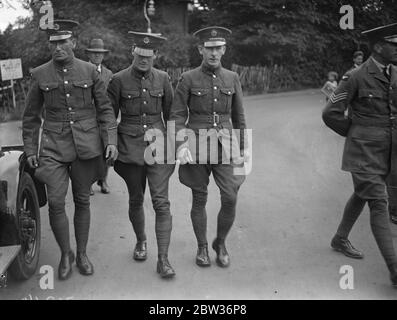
<point x="111" y="154"/>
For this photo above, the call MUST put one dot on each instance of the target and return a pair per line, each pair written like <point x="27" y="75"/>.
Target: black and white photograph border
<point x="292" y="203"/>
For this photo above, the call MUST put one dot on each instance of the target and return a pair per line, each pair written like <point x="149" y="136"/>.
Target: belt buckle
<point x="216" y="119"/>
<point x="143" y="120"/>
<point x="69" y="116"/>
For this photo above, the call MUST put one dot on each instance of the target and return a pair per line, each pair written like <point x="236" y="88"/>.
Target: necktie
<point x="386" y="72"/>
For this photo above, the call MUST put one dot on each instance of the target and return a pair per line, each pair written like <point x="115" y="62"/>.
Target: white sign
<point x="11" y="69"/>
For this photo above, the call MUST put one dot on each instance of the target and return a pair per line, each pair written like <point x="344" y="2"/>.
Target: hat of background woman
<point x="96" y="45"/>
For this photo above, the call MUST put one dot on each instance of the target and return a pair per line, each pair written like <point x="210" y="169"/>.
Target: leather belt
<point x="375" y="122"/>
<point x="143" y="119"/>
<point x="75" y="115"/>
<point x="215" y="119"/>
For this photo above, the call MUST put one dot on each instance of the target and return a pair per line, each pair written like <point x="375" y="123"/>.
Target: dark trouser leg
<point x="82" y="174"/>
<point x="158" y="176"/>
<point x="196" y="177"/>
<point x="229" y="185"/>
<point x="381" y="230"/>
<point x="198" y="215"/>
<point x="392" y="192"/>
<point x="353" y="209"/>
<point x="135" y="178"/>
<point x="56" y="177"/>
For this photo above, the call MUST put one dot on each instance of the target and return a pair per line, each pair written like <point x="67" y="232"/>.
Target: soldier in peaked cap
<point x="210" y="97"/>
<point x="370" y="152"/>
<point x="96" y="53"/>
<point x="144" y="95"/>
<point x="72" y="98"/>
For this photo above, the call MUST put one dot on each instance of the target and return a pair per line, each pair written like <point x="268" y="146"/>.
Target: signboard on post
<point x="11" y="69"/>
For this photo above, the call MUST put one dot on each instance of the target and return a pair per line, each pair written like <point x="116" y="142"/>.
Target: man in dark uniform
<point x="371" y="141"/>
<point x="144" y="96"/>
<point x="96" y="53"/>
<point x="77" y="112"/>
<point x="210" y="97"/>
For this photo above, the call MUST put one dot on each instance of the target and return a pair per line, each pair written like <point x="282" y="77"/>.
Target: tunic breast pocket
<point x="372" y="100"/>
<point x="130" y="101"/>
<point x="50" y="92"/>
<point x="82" y="91"/>
<point x="226" y="98"/>
<point x="156" y="95"/>
<point x="199" y="99"/>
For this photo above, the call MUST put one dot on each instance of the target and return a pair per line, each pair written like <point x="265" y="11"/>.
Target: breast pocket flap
<point x="227" y="91"/>
<point x="48" y="86"/>
<point x="199" y="92"/>
<point x="129" y="94"/>
<point x="83" y="83"/>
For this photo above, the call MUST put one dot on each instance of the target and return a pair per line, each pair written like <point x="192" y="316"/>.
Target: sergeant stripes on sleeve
<point x="338" y="97"/>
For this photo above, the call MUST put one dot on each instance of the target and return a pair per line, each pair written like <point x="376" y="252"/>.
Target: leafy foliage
<point x="303" y="36"/>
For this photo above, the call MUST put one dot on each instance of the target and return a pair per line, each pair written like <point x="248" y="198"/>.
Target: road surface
<point x="288" y="210"/>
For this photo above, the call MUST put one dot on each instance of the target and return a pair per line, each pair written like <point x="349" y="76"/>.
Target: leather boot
<point x="84" y="264"/>
<point x="104" y="186"/>
<point x="65" y="266"/>
<point x="222" y="257"/>
<point x="343" y="245"/>
<point x="140" y="251"/>
<point x="164" y="267"/>
<point x="202" y="257"/>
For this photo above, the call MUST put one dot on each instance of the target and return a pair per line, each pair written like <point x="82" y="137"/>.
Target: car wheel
<point x="28" y="221"/>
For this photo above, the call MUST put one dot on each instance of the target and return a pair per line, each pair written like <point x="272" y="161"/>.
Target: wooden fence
<point x="263" y="79"/>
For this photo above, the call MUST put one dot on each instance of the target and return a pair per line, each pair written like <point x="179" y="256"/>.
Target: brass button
<point x="144" y="90"/>
<point x="229" y="92"/>
<point x="370" y="95"/>
<point x="66" y="82"/>
<point x="145" y="126"/>
<point x="71" y="122"/>
<point x="215" y="87"/>
<point x="215" y="99"/>
<point x="215" y="125"/>
<point x="67" y="95"/>
<point x="129" y="96"/>
<point x="47" y="88"/>
<point x="214" y="76"/>
<point x="199" y="93"/>
<point x="65" y="70"/>
<point x="144" y="102"/>
<point x="70" y="109"/>
<point x="85" y="85"/>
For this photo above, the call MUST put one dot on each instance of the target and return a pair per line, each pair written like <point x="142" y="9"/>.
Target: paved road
<point x="288" y="210"/>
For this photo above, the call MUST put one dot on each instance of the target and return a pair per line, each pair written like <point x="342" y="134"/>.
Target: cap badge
<point x="214" y="33"/>
<point x="56" y="26"/>
<point x="146" y="40"/>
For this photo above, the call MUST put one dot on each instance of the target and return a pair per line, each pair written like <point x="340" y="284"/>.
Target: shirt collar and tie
<point x="385" y="69"/>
